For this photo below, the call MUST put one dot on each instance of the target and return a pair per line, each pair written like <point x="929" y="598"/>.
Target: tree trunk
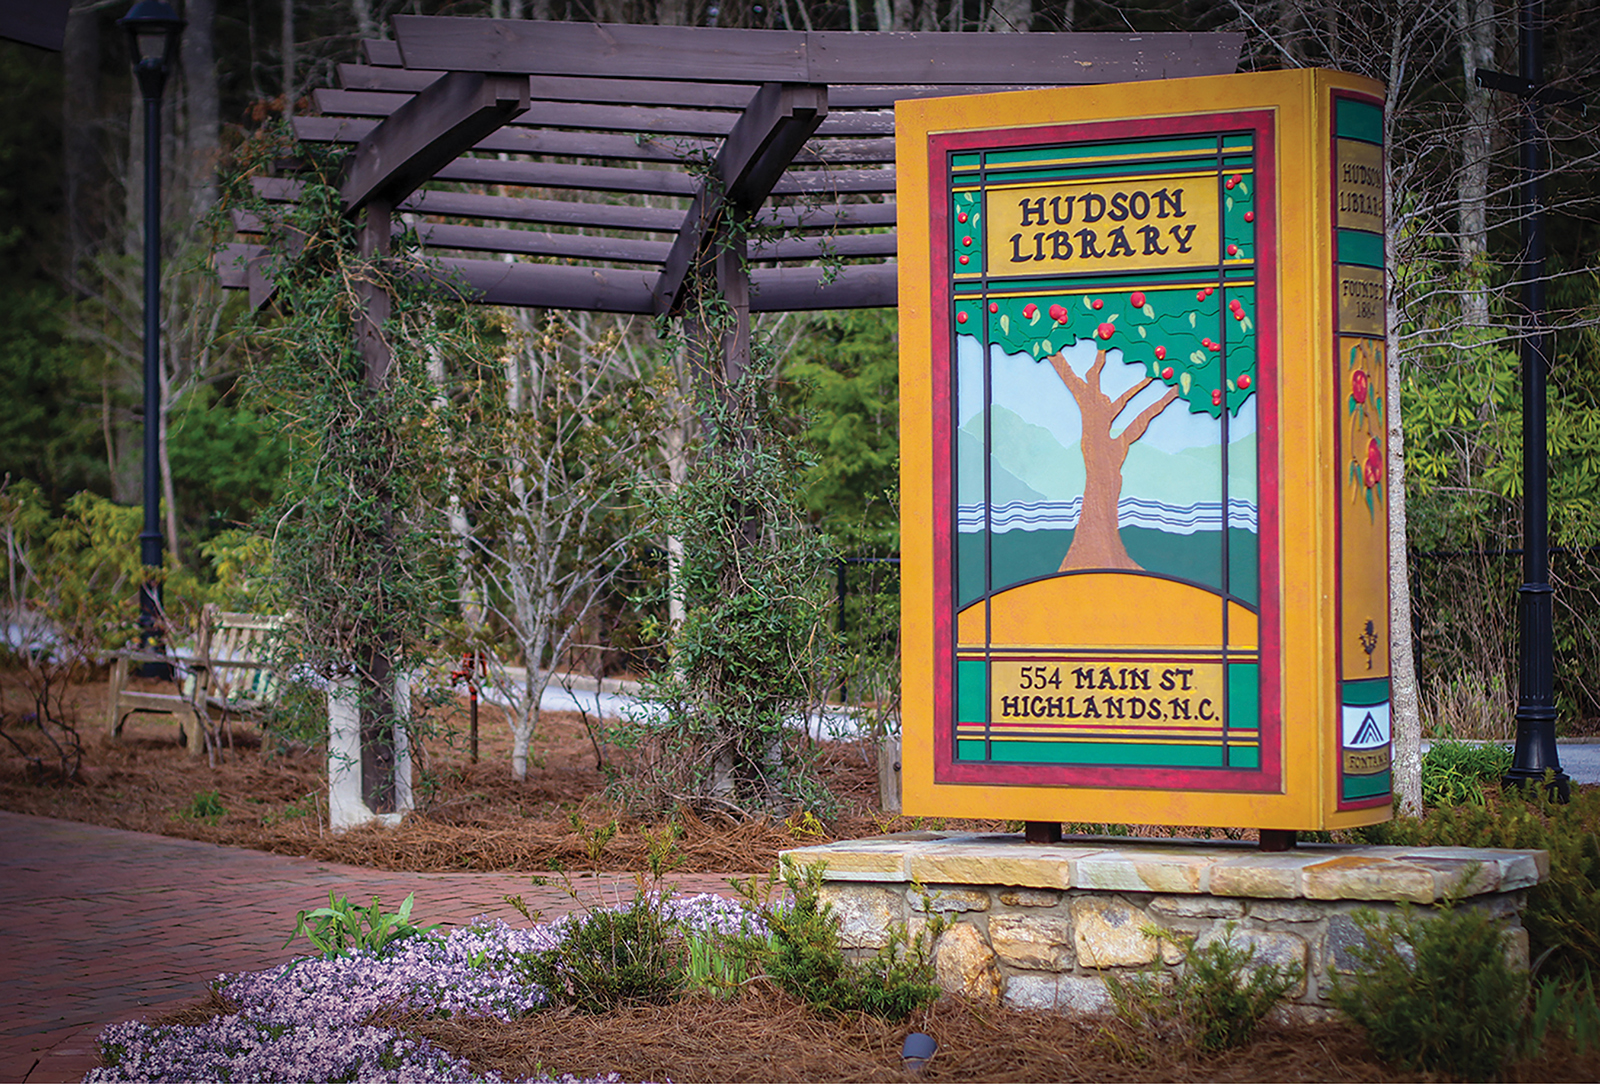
<point x="287" y="59"/>
<point x="1406" y="717"/>
<point x="1009" y="16"/>
<point x="199" y="170"/>
<point x="1475" y="36"/>
<point x="1097" y="541"/>
<point x="82" y="172"/>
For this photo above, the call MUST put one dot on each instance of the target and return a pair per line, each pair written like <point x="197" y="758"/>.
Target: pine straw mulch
<point x="766" y="1035"/>
<point x="471" y="817"/>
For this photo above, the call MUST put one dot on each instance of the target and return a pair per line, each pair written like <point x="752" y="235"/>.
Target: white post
<point x="346" y="809"/>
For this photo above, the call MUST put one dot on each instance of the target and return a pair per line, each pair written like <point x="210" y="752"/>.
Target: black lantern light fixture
<point x="153" y="30"/>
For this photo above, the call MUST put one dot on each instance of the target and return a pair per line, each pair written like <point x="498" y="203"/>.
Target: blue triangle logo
<point x="1368" y="734"/>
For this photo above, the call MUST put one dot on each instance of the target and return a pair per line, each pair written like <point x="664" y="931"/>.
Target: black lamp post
<point x="153" y="29"/>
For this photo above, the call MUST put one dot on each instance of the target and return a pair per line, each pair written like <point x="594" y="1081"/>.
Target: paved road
<point x="1580" y="759"/>
<point x="104" y="925"/>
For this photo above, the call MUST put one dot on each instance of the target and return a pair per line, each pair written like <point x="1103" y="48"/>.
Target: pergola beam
<point x="427" y="132"/>
<point x="695" y="54"/>
<point x="777" y="123"/>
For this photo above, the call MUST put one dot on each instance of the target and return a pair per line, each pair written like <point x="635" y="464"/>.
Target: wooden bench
<point x="231" y="671"/>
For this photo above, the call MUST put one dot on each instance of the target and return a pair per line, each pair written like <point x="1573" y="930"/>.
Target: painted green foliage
<point x="1174" y="334"/>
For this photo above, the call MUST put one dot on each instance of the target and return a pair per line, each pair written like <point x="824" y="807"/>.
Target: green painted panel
<point x="1366" y="693"/>
<point x="1358" y="120"/>
<point x="971" y="160"/>
<point x="969" y="750"/>
<point x="1359" y="247"/>
<point x="1357" y="787"/>
<point x="1244" y="694"/>
<point x="1144" y="756"/>
<point x="1190" y="144"/>
<point x="972" y="691"/>
<point x="1245" y="757"/>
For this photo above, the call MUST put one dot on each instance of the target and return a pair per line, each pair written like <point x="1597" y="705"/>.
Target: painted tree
<point x="1182" y="339"/>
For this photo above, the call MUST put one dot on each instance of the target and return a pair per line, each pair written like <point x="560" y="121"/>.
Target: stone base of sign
<point x="1040" y="926"/>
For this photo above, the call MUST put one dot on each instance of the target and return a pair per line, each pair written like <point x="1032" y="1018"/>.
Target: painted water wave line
<point x="1131" y="512"/>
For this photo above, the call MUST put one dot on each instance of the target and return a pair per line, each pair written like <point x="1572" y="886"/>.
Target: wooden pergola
<point x="665" y="144"/>
<point x="656" y="139"/>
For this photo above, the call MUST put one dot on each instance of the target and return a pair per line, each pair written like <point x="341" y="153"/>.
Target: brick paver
<point x="104" y="925"/>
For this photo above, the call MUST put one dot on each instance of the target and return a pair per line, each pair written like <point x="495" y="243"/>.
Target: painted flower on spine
<point x="1372" y="470"/>
<point x="1358" y="386"/>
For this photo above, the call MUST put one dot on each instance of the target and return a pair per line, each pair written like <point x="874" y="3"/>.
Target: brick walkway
<point x="104" y="925"/>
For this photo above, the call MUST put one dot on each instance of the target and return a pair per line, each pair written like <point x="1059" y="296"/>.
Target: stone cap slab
<point x="1316" y="871"/>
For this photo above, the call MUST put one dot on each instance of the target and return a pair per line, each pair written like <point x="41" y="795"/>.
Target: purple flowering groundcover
<point x="305" y="1020"/>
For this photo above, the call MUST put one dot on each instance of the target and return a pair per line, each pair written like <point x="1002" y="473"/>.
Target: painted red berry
<point x="1166" y="374"/>
<point x="961" y="317"/>
<point x="1200" y="295"/>
<point x="966" y="242"/>
<point x="962" y="217"/>
<point x="1236" y="178"/>
<point x="1244" y="382"/>
<point x="1216" y="348"/>
<point x="1058" y="314"/>
<point x="1161" y="353"/>
<point x="993" y="307"/>
<point x="1249" y="216"/>
<point x="965" y="260"/>
<point x="1216" y="397"/>
<point x="1233" y="250"/>
<point x="1105" y="331"/>
<point x="1136" y="299"/>
<point x="1097" y="304"/>
<point x="1028" y="310"/>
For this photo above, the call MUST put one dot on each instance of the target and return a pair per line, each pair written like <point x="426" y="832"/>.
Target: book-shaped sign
<point x="1145" y="516"/>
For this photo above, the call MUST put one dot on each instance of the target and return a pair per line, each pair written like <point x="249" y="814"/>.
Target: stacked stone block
<point x="1040" y="926"/>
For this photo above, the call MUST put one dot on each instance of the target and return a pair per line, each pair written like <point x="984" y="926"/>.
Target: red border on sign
<point x="947" y="769"/>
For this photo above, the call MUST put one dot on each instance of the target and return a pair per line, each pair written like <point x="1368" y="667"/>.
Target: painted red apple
<point x="1166" y="374"/>
<point x="1161" y="353"/>
<point x="1244" y="382"/>
<point x="1105" y="331"/>
<point x="1136" y="299"/>
<point x="1028" y="310"/>
<point x="1097" y="304"/>
<point x="1358" y="385"/>
<point x="1372" y="470"/>
<point x="1058" y="314"/>
<point x="961" y="317"/>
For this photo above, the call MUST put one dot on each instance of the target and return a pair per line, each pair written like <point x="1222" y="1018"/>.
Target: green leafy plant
<point x="1214" y="1001"/>
<point x="343" y="928"/>
<point x="754" y="649"/>
<point x="1436" y="994"/>
<point x="1563" y="912"/>
<point x="1460" y="773"/>
<point x="206" y="806"/>
<point x="1568" y="1009"/>
<point x="803" y="955"/>
<point x="608" y="958"/>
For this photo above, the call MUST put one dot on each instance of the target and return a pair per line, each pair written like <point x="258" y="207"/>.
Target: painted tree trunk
<point x="1097" y="541"/>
